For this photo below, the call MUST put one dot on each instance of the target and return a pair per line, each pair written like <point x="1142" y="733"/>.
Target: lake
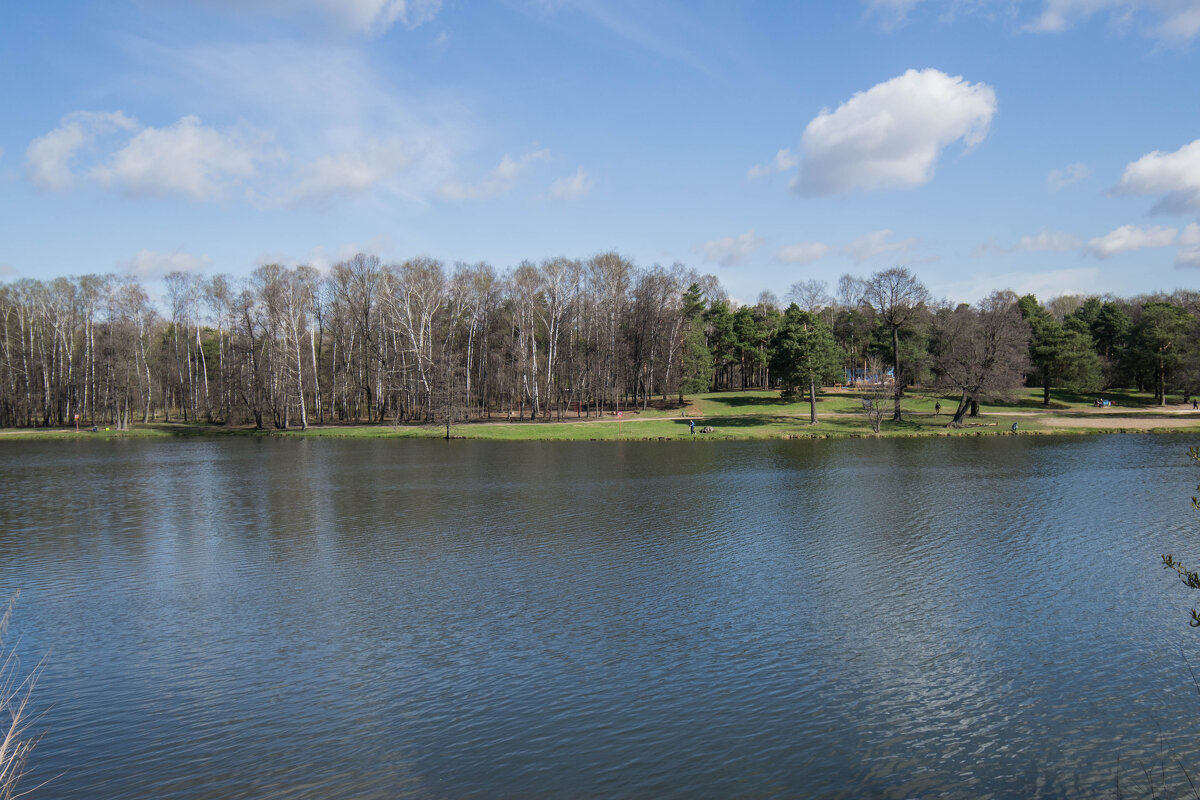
<point x="291" y="618"/>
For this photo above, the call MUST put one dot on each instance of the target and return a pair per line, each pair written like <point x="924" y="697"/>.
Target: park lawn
<point x="830" y="400"/>
<point x="734" y="415"/>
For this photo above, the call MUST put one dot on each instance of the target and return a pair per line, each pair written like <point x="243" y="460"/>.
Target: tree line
<point x="416" y="342"/>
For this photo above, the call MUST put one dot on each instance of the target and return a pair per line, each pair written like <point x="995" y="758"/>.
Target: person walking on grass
<point x="937" y="408"/>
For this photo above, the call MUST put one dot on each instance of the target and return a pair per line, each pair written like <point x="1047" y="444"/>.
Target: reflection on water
<point x="379" y="619"/>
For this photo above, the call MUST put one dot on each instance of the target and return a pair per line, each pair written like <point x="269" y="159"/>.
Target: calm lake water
<point x="380" y="619"/>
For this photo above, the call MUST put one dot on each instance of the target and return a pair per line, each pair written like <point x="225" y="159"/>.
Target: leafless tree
<point x="980" y="352"/>
<point x="897" y="298"/>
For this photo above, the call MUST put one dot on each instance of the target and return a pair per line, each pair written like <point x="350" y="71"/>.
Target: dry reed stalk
<point x="15" y="693"/>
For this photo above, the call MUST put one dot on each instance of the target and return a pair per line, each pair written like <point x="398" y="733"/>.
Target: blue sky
<point x="1049" y="146"/>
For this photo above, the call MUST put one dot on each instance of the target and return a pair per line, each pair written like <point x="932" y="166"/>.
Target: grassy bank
<point x="741" y="415"/>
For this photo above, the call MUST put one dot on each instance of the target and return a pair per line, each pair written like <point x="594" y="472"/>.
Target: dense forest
<point x="415" y="342"/>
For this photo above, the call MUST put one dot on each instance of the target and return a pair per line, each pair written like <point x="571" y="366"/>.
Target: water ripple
<point x="379" y="619"/>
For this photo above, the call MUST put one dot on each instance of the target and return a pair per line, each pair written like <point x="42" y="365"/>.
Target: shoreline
<point x="725" y="428"/>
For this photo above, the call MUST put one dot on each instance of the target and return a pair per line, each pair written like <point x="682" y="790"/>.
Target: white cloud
<point x="991" y="247"/>
<point x="1056" y="242"/>
<point x="1168" y="20"/>
<point x="802" y="253"/>
<point x="876" y="244"/>
<point x="1172" y="20"/>
<point x="318" y="99"/>
<point x="1189" y="257"/>
<point x="1054" y="283"/>
<point x="498" y="181"/>
<point x="1175" y="176"/>
<point x="48" y="157"/>
<point x="1190" y="236"/>
<point x="359" y="16"/>
<point x="892" y="134"/>
<point x="785" y="160"/>
<point x="731" y="250"/>
<point x="150" y="265"/>
<point x="1189" y="241"/>
<point x="571" y="187"/>
<point x="186" y="158"/>
<point x="352" y="172"/>
<point x="890" y="13"/>
<point x="1130" y="237"/>
<point x="7" y="270"/>
<point x="1059" y="179"/>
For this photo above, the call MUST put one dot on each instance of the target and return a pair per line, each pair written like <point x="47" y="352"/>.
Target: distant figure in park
<point x="1014" y="427"/>
<point x="937" y="408"/>
<point x="1195" y="405"/>
<point x="692" y="425"/>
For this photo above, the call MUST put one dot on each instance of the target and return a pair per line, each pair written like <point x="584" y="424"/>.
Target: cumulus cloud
<point x="1056" y="242"/>
<point x="802" y="253"/>
<point x="1059" y="179"/>
<point x="1175" y="176"/>
<point x="48" y="157"/>
<point x="731" y="250"/>
<point x="498" y="181"/>
<point x="151" y="265"/>
<point x="892" y="134"/>
<point x="785" y="160"/>
<point x="352" y="172"/>
<point x="186" y="158"/>
<point x="571" y="187"/>
<point x="1130" y="237"/>
<point x="876" y="244"/>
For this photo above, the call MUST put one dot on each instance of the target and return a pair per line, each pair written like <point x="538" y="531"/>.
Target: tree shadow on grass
<point x="738" y="401"/>
<point x="748" y="421"/>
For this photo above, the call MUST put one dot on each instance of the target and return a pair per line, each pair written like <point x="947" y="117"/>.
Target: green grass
<point x="733" y="415"/>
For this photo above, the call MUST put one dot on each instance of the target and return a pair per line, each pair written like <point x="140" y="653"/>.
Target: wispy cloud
<point x="1059" y="179"/>
<point x="355" y="16"/>
<point x="802" y="252"/>
<point x="731" y="250"/>
<point x="151" y="265"/>
<point x="352" y="172"/>
<point x="876" y="244"/>
<point x="1052" y="241"/>
<point x="784" y="161"/>
<point x="336" y="126"/>
<point x="1043" y="284"/>
<point x="572" y="187"/>
<point x="657" y="28"/>
<point x="499" y="181"/>
<point x="1170" y="21"/>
